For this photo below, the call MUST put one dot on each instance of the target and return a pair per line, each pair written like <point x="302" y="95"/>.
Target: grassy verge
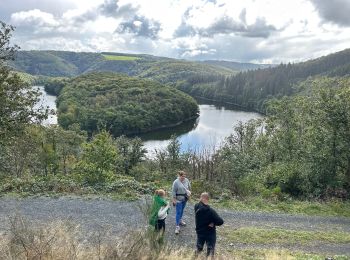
<point x="263" y="254"/>
<point x="313" y="208"/>
<point x="276" y="236"/>
<point x="116" y="57"/>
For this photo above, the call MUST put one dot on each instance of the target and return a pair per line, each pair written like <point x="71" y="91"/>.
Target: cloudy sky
<point x="263" y="31"/>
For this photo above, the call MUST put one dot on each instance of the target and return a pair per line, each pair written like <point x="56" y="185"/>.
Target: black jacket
<point x="204" y="216"/>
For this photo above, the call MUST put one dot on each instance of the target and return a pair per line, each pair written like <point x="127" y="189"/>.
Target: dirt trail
<point x="120" y="216"/>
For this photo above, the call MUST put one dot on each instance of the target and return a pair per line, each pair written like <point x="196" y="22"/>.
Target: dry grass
<point x="64" y="241"/>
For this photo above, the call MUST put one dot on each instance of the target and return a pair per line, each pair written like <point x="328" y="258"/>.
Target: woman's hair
<point x="160" y="192"/>
<point x="181" y="173"/>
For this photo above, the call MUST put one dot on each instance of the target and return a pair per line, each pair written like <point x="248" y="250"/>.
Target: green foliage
<point x="300" y="149"/>
<point x="17" y="102"/>
<point x="40" y="185"/>
<point x="173" y="150"/>
<point x="178" y="72"/>
<point x="291" y="206"/>
<point x="124" y="185"/>
<point x="283" y="236"/>
<point x="121" y="105"/>
<point x="17" y="99"/>
<point x="55" y="63"/>
<point x="237" y="66"/>
<point x="131" y="152"/>
<point x="251" y="89"/>
<point x="215" y="191"/>
<point x="41" y="151"/>
<point x="53" y="86"/>
<point x="170" y="160"/>
<point x="63" y="63"/>
<point x="44" y="63"/>
<point x="99" y="159"/>
<point x="26" y="78"/>
<point x="7" y="51"/>
<point x="147" y="171"/>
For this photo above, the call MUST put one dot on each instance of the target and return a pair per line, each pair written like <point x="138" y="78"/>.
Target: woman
<point x="180" y="193"/>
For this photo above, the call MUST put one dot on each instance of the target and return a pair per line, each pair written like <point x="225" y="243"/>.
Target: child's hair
<point x="181" y="173"/>
<point x="160" y="192"/>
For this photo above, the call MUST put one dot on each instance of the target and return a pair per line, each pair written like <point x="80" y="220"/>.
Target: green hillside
<point x="121" y="104"/>
<point x="252" y="88"/>
<point x="237" y="66"/>
<point x="68" y="64"/>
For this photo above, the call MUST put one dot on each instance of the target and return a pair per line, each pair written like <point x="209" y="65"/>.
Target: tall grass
<point x="64" y="241"/>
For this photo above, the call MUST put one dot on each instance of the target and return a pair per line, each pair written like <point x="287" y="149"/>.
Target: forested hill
<point x="251" y="89"/>
<point x="122" y="104"/>
<point x="238" y="66"/>
<point x="70" y="64"/>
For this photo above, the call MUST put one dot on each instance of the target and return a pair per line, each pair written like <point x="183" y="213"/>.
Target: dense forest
<point x="251" y="89"/>
<point x="301" y="148"/>
<point x="121" y="104"/>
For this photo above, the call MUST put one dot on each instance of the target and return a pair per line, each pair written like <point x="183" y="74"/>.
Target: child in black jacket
<point x="206" y="221"/>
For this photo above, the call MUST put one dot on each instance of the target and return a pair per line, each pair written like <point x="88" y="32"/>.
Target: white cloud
<point x="33" y="17"/>
<point x="264" y="30"/>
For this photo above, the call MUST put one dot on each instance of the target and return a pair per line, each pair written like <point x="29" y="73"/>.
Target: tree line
<point x="251" y="89"/>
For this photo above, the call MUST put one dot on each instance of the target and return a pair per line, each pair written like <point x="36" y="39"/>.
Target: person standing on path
<point x="206" y="221"/>
<point x="180" y="193"/>
<point x="159" y="211"/>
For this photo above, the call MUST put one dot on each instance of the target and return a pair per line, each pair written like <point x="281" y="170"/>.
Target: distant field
<point x="116" y="57"/>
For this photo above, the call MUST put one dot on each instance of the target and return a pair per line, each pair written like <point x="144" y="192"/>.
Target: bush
<point x="129" y="185"/>
<point x="145" y="172"/>
<point x="251" y="184"/>
<point x="215" y="191"/>
<point x="37" y="185"/>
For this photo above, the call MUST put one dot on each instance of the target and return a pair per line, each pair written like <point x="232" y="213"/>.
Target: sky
<point x="259" y="31"/>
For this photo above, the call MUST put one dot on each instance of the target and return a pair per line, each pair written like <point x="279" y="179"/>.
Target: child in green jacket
<point x="159" y="211"/>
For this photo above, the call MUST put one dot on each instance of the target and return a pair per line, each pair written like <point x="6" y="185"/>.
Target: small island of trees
<point x="122" y="105"/>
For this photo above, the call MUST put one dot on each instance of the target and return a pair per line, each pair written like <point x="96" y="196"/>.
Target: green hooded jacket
<point x="158" y="202"/>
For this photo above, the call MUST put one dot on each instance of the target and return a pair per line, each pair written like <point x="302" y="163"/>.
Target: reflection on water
<point x="215" y="122"/>
<point x="213" y="125"/>
<point x="165" y="134"/>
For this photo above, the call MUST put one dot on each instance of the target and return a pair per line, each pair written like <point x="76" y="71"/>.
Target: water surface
<point x="208" y="131"/>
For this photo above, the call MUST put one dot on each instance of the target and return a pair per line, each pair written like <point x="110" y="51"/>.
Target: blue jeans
<point x="180" y="206"/>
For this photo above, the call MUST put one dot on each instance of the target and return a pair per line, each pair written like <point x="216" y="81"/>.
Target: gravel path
<point x="120" y="216"/>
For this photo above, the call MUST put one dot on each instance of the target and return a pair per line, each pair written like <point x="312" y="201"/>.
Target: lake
<point x="49" y="101"/>
<point x="208" y="131"/>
